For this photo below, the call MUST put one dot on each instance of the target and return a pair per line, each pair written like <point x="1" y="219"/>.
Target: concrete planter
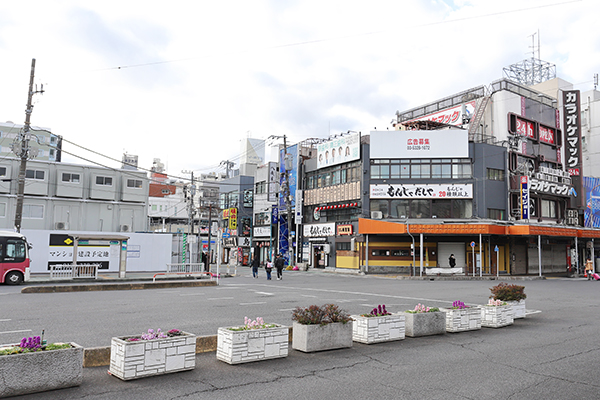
<point x="425" y="324"/>
<point x="496" y="316"/>
<point x="236" y="347"/>
<point x="378" y="329"/>
<point x="40" y="371"/>
<point x="309" y="338"/>
<point x="466" y="319"/>
<point x="133" y="360"/>
<point x="518" y="308"/>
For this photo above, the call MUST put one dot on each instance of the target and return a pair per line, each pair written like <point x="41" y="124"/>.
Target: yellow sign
<point x="68" y="241"/>
<point x="232" y="223"/>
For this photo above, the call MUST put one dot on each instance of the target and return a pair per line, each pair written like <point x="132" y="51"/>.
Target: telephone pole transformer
<point x="22" y="149"/>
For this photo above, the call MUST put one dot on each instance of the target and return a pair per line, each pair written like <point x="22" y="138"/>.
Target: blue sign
<point x="496" y="248"/>
<point x="472" y="244"/>
<point x="524" y="198"/>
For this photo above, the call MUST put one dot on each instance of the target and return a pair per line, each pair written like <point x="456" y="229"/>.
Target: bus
<point x="14" y="258"/>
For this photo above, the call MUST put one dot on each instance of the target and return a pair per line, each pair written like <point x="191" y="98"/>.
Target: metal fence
<point x="70" y="271"/>
<point x="185" y="268"/>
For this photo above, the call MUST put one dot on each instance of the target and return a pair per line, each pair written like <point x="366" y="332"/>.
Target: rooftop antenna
<point x="595" y="81"/>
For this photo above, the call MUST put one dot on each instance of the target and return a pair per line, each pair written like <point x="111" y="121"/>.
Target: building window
<point x="421" y="169"/>
<point x="548" y="209"/>
<point x="153" y="207"/>
<point x="2" y="209"/>
<point x="104" y="180"/>
<point x="261" y="187"/>
<point x="2" y="171"/>
<point x="343" y="246"/>
<point x="33" y="211"/>
<point x="134" y="183"/>
<point x="53" y="139"/>
<point x="67" y="177"/>
<point x="495" y="214"/>
<point x="35" y="174"/>
<point x="441" y="208"/>
<point x="495" y="174"/>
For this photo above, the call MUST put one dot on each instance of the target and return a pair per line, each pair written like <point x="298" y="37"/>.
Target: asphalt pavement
<point x="549" y="354"/>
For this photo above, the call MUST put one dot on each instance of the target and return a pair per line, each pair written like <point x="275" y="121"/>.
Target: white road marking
<point x="4" y="320"/>
<point x="24" y="330"/>
<point x="287" y="309"/>
<point x="307" y="295"/>
<point x="529" y="312"/>
<point x="220" y="298"/>
<point x="255" y="302"/>
<point x="192" y="294"/>
<point x="265" y="293"/>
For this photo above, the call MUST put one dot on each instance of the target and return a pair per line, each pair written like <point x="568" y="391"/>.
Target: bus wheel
<point x="13" y="278"/>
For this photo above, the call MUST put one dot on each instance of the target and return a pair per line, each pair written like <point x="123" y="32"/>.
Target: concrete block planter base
<point x="466" y="319"/>
<point x="133" y="360"/>
<point x="425" y="324"/>
<point x="518" y="308"/>
<point x="235" y="347"/>
<point x="496" y="316"/>
<point x="309" y="338"/>
<point x="41" y="371"/>
<point x="378" y="329"/>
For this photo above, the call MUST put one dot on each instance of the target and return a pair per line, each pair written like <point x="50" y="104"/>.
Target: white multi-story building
<point x="44" y="144"/>
<point x="61" y="196"/>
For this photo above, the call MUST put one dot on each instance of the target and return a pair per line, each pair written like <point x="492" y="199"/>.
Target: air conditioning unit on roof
<point x="376" y="215"/>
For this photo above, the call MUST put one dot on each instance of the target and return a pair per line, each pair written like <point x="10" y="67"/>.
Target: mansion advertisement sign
<point x="422" y="191"/>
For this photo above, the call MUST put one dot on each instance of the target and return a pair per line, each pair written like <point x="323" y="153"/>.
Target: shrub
<point x="326" y="314"/>
<point x="505" y="292"/>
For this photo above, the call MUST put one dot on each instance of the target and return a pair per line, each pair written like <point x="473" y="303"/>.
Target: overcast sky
<point x="186" y="81"/>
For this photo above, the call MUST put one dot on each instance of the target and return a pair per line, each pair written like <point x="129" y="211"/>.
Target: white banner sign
<point x="315" y="230"/>
<point x="424" y="191"/>
<point x="452" y="143"/>
<point x="337" y="151"/>
<point x="262" y="231"/>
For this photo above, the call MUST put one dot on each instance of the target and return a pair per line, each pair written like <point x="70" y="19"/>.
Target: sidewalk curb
<point x="115" y="286"/>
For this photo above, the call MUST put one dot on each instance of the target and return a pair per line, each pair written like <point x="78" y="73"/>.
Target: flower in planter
<point x="378" y="311"/>
<point x="420" y="308"/>
<point x="158" y="334"/>
<point x="315" y="315"/>
<point x="496" y="303"/>
<point x="259" y="323"/>
<point x="32" y="344"/>
<point x="459" y="305"/>
<point x="508" y="292"/>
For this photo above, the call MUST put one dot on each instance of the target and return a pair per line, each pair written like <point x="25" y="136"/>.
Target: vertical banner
<point x="524" y="198"/>
<point x="573" y="156"/>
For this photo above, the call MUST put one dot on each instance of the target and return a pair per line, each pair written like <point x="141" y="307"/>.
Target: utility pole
<point x="228" y="164"/>
<point x="22" y="150"/>
<point x="189" y="195"/>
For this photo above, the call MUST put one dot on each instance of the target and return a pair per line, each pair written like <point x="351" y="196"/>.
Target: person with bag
<point x="268" y="268"/>
<point x="279" y="264"/>
<point x="589" y="269"/>
<point x="452" y="261"/>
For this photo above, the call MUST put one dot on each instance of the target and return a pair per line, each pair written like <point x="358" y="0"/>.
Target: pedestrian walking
<point x="589" y="268"/>
<point x="452" y="261"/>
<point x="268" y="268"/>
<point x="279" y="262"/>
<point x="255" y="265"/>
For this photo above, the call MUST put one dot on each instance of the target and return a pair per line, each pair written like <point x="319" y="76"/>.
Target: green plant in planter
<point x="508" y="292"/>
<point x="315" y="315"/>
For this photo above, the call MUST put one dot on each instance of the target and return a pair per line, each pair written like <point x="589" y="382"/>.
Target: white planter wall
<point x="309" y="338"/>
<point x="40" y="371"/>
<point x="466" y="319"/>
<point x="235" y="347"/>
<point x="518" y="308"/>
<point x="133" y="360"/>
<point x="425" y="324"/>
<point x="496" y="316"/>
<point x="378" y="329"/>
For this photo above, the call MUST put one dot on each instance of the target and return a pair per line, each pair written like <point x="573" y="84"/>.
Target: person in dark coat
<point x="255" y="265"/>
<point x="452" y="261"/>
<point x="279" y="264"/>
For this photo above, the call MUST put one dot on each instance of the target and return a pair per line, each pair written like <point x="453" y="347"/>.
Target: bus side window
<point x="15" y="250"/>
